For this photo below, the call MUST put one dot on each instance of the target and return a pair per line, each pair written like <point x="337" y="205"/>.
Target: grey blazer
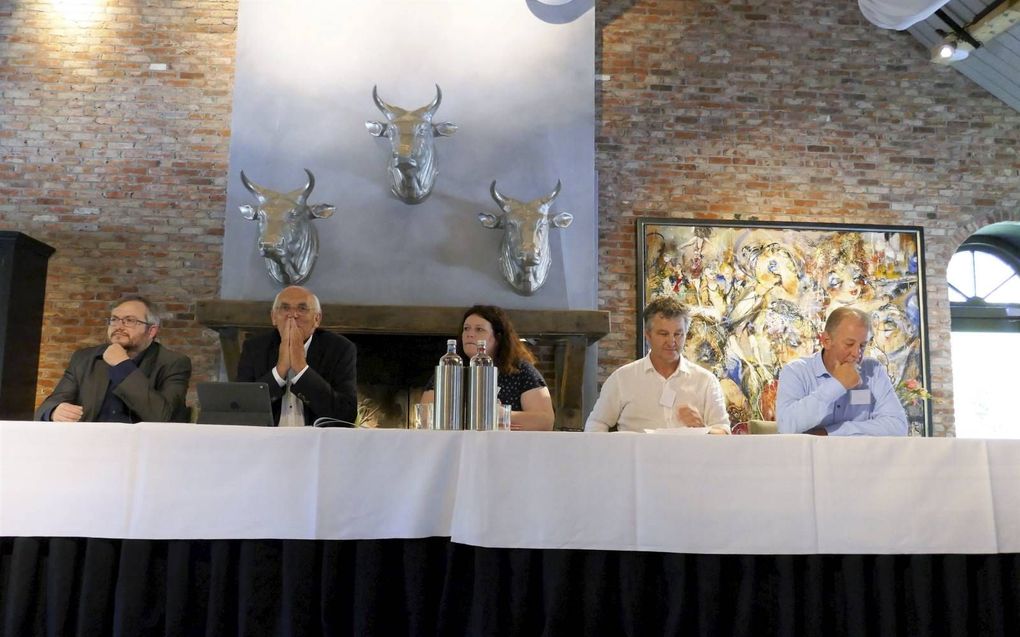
<point x="155" y="392"/>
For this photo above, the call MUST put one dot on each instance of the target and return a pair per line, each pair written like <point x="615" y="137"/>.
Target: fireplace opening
<point x="399" y="347"/>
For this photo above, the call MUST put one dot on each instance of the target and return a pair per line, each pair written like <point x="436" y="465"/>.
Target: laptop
<point x="234" y="404"/>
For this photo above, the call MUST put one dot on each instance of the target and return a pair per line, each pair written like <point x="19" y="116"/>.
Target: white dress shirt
<point x="292" y="411"/>
<point x="636" y="397"/>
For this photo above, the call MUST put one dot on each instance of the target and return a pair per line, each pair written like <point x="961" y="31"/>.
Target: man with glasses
<point x="310" y="372"/>
<point x="131" y="379"/>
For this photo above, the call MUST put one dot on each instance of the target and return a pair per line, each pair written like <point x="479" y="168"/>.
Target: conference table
<point x="181" y="529"/>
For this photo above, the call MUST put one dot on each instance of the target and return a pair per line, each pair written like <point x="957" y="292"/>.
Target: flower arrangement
<point x="912" y="392"/>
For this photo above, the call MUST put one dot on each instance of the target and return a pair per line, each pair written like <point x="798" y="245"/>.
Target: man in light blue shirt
<point x="838" y="392"/>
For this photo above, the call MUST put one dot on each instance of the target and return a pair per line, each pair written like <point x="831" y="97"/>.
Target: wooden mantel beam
<point x="405" y="319"/>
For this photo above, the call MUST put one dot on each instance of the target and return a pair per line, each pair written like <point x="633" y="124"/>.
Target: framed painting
<point x="759" y="293"/>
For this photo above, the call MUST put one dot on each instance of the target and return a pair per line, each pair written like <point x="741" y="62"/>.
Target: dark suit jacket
<point x="155" y="392"/>
<point x="328" y="388"/>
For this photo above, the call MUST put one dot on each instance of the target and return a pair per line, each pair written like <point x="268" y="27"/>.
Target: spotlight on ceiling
<point x="958" y="42"/>
<point x="948" y="51"/>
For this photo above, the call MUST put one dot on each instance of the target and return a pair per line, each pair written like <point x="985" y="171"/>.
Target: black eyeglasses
<point x="301" y="309"/>
<point x="127" y="321"/>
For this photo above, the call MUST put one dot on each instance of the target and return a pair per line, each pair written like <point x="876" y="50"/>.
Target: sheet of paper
<point x="679" y="431"/>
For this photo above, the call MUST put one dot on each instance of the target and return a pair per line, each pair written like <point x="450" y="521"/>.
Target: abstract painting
<point x="759" y="293"/>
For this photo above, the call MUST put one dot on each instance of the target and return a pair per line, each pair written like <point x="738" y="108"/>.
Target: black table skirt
<point x="78" y="586"/>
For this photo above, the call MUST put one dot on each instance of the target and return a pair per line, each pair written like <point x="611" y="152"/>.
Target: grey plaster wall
<point x="517" y="78"/>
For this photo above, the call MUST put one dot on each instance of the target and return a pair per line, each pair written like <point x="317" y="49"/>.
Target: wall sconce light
<point x="82" y="13"/>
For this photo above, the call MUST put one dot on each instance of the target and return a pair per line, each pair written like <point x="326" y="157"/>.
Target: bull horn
<point x="434" y="104"/>
<point x="556" y="191"/>
<point x="303" y="197"/>
<point x="500" y="199"/>
<point x="252" y="188"/>
<point x="388" y="111"/>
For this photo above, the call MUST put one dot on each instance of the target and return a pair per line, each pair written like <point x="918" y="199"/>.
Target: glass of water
<point x="423" y="416"/>
<point x="503" y="417"/>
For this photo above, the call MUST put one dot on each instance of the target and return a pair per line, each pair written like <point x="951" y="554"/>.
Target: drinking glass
<point x="423" y="416"/>
<point x="503" y="417"/>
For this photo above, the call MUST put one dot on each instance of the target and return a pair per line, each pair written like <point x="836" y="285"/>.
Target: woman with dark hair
<point x="520" y="385"/>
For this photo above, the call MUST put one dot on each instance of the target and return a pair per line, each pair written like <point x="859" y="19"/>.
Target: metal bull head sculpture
<point x="412" y="167"/>
<point x="524" y="256"/>
<point x="287" y="239"/>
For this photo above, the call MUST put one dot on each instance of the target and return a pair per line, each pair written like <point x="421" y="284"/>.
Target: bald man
<point x="311" y="373"/>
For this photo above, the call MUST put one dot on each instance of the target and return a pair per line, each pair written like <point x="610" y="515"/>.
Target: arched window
<point x="984" y="294"/>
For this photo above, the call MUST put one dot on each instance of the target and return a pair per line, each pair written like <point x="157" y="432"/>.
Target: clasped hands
<point x="292" y="349"/>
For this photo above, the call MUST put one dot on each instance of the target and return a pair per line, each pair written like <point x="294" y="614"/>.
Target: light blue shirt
<point x="809" y="396"/>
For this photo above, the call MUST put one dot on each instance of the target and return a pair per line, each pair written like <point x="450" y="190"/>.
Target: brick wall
<point x="790" y="111"/>
<point x="120" y="167"/>
<point x="795" y="110"/>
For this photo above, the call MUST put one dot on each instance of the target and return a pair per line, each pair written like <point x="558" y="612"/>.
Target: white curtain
<point x="898" y="14"/>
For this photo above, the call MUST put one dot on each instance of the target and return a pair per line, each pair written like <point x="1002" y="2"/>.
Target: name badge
<point x="667" y="397"/>
<point x="860" y="396"/>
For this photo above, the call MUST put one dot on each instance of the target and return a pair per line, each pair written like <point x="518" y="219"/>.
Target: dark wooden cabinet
<point x="23" y="263"/>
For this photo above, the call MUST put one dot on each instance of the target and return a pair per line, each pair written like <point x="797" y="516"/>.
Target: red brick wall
<point x="796" y="110"/>
<point x="121" y="168"/>
<point x="790" y="111"/>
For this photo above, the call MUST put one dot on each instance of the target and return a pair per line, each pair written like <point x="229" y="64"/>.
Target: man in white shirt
<point x="663" y="389"/>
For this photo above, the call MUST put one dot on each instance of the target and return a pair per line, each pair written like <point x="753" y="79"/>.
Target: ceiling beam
<point x="999" y="20"/>
<point x="996" y="19"/>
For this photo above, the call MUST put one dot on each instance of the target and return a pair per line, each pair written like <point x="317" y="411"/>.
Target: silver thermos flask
<point x="481" y="411"/>
<point x="449" y="403"/>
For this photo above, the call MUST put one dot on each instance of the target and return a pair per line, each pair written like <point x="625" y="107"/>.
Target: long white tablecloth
<point x="683" y="494"/>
